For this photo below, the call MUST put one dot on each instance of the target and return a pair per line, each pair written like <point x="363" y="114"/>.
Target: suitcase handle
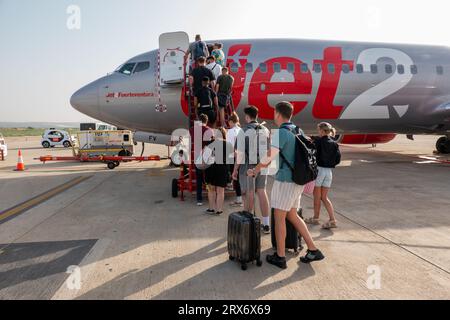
<point x="254" y="192"/>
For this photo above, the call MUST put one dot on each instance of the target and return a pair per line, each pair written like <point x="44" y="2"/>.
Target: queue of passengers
<point x="212" y="85"/>
<point x="286" y="195"/>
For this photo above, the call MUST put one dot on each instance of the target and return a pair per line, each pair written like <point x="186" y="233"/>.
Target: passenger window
<point x="277" y="67"/>
<point x="126" y="137"/>
<point x="331" y="68"/>
<point x="142" y="66"/>
<point x="440" y="70"/>
<point x="249" y="67"/>
<point x="359" y="68"/>
<point x="401" y="69"/>
<point x="389" y="69"/>
<point x="317" y="67"/>
<point x="126" y="69"/>
<point x="291" y="67"/>
<point x="263" y="67"/>
<point x="345" y="68"/>
<point x="414" y="69"/>
<point x="234" y="67"/>
<point x="373" y="68"/>
<point x="304" y="68"/>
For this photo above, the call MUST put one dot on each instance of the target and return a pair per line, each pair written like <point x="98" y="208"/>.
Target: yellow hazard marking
<point x="41" y="198"/>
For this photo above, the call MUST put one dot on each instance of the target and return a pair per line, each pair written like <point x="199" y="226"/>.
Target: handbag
<point x="205" y="159"/>
<point x="309" y="188"/>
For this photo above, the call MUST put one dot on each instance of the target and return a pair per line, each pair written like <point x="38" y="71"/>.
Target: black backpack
<point x="305" y="166"/>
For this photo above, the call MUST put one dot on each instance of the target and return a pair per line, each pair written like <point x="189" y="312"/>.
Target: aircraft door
<point x="172" y="48"/>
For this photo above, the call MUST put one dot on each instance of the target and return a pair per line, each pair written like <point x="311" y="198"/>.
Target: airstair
<point x="173" y="71"/>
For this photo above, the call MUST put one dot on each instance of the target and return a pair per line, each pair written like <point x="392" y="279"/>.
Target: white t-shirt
<point x="232" y="135"/>
<point x="215" y="68"/>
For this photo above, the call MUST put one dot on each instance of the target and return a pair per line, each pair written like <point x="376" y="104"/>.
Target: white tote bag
<point x="205" y="159"/>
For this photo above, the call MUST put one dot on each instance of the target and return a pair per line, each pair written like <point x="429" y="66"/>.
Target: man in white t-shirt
<point x="212" y="65"/>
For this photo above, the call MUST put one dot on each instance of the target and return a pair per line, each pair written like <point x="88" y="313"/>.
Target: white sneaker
<point x="199" y="204"/>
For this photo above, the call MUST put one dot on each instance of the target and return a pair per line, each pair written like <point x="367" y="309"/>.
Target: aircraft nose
<point x="85" y="100"/>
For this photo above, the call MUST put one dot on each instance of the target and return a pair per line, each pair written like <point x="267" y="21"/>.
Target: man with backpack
<point x="253" y="144"/>
<point x="215" y="68"/>
<point x="205" y="101"/>
<point x="196" y="50"/>
<point x="293" y="173"/>
<point x="199" y="73"/>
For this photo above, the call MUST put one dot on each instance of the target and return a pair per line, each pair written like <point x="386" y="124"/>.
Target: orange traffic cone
<point x="20" y="164"/>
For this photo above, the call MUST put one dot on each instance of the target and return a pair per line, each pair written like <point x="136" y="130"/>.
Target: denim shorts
<point x="325" y="178"/>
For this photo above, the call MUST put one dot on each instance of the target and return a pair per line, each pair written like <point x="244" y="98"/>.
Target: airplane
<point x="370" y="92"/>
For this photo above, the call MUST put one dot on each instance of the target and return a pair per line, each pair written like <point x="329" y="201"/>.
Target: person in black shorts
<point x="206" y="101"/>
<point x="217" y="176"/>
<point x="224" y="86"/>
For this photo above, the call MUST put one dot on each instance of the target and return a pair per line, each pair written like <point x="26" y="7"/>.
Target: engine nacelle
<point x="366" y="138"/>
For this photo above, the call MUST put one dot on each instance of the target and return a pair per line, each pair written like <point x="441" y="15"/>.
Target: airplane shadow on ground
<point x="23" y="263"/>
<point x="213" y="283"/>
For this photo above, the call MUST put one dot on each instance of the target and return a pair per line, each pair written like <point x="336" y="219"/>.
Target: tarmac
<point x="81" y="231"/>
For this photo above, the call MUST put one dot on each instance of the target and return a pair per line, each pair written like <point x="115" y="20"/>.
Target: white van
<point x="56" y="137"/>
<point x="3" y="145"/>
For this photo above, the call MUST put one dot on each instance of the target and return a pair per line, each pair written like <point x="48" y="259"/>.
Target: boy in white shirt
<point x="212" y="65"/>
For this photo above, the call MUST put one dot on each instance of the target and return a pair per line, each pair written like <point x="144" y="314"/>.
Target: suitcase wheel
<point x="244" y="267"/>
<point x="259" y="263"/>
<point x="231" y="258"/>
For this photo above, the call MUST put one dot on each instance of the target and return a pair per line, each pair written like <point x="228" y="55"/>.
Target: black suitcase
<point x="244" y="238"/>
<point x="293" y="238"/>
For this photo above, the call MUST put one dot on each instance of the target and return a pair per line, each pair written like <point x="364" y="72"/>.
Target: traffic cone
<point x="20" y="165"/>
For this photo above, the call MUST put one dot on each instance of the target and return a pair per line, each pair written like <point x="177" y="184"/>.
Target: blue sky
<point x="43" y="62"/>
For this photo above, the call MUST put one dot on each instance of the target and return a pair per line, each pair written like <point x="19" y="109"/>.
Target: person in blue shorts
<point x="328" y="157"/>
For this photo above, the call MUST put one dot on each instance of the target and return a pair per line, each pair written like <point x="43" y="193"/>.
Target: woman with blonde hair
<point x="328" y="157"/>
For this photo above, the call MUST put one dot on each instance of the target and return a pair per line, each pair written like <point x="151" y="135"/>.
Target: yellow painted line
<point x="8" y="213"/>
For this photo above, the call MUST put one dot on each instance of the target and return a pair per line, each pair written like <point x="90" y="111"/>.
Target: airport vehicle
<point x="55" y="137"/>
<point x="369" y="91"/>
<point x="104" y="143"/>
<point x="111" y="161"/>
<point x="110" y="147"/>
<point x="3" y="147"/>
<point x="98" y="126"/>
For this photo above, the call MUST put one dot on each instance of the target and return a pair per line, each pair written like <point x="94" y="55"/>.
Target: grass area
<point x="24" y="132"/>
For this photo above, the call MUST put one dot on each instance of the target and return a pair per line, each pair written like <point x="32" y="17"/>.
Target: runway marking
<point x="25" y="206"/>
<point x="86" y="269"/>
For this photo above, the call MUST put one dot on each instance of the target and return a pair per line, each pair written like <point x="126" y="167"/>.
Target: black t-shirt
<point x="205" y="96"/>
<point x="198" y="74"/>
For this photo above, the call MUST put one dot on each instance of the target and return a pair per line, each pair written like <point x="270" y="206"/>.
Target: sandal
<point x="312" y="221"/>
<point x="330" y="225"/>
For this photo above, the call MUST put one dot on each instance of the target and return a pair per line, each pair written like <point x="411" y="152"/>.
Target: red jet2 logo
<point x="363" y="107"/>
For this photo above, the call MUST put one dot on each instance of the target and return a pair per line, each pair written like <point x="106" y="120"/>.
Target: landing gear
<point x="443" y="145"/>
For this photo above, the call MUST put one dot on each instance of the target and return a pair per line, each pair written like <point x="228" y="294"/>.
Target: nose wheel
<point x="443" y="145"/>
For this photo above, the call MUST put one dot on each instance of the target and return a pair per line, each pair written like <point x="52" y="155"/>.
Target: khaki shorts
<point x="286" y="196"/>
<point x="244" y="180"/>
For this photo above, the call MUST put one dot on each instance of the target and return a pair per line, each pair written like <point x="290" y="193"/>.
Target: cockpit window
<point x="142" y="66"/>
<point x="126" y="69"/>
